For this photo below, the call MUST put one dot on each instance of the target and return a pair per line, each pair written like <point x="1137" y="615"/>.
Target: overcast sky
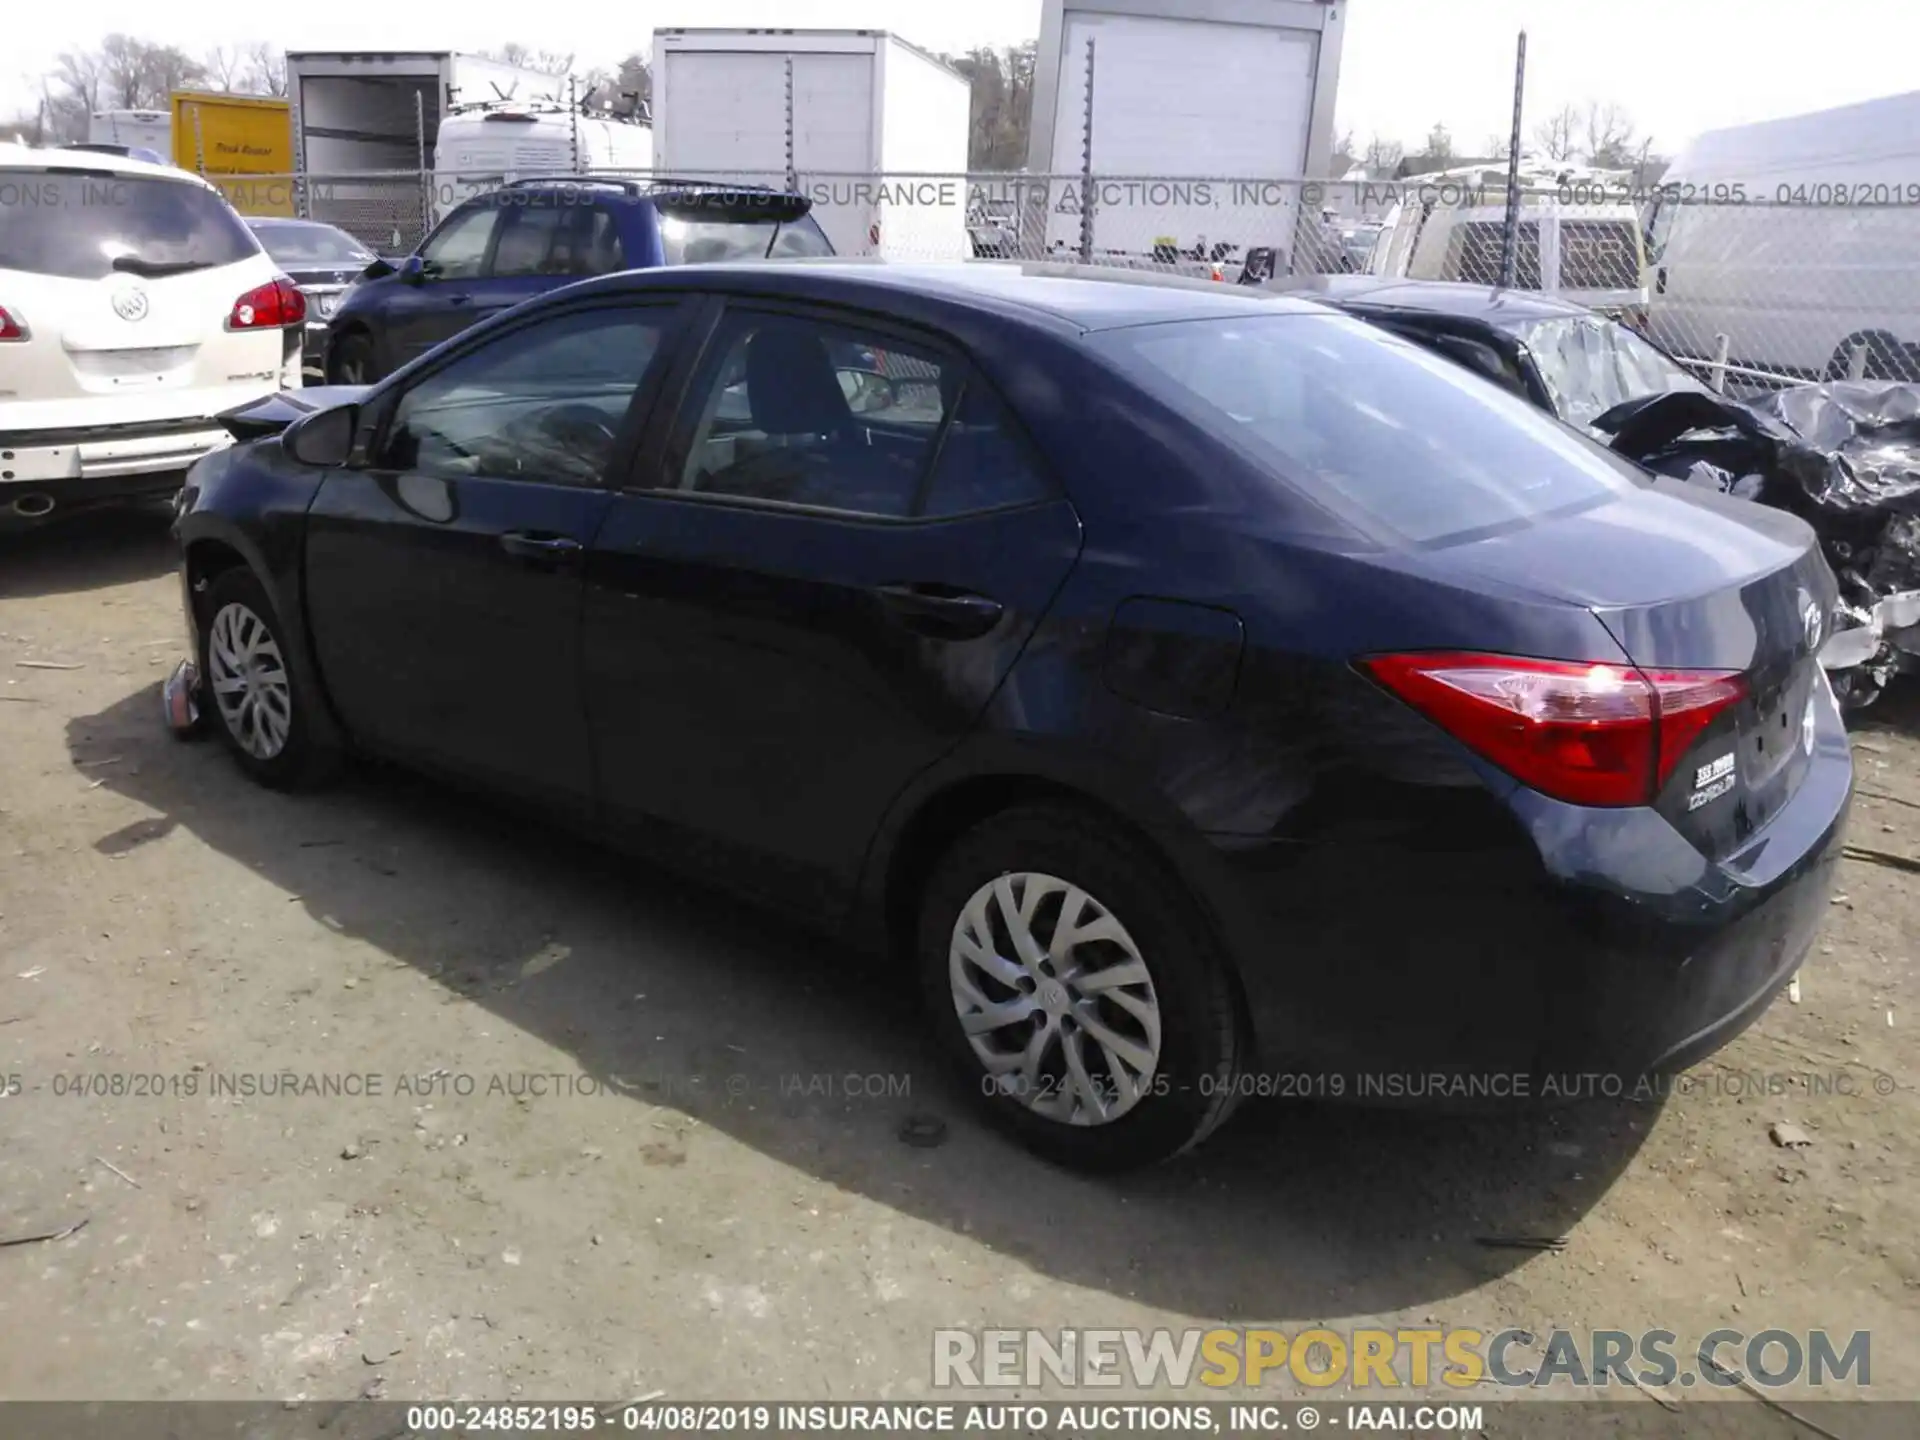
<point x="1678" y="66"/>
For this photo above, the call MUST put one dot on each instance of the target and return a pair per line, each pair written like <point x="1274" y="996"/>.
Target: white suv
<point x="135" y="306"/>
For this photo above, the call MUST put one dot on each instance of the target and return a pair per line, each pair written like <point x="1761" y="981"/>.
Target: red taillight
<point x="1587" y="734"/>
<point x="12" y="327"/>
<point x="272" y="306"/>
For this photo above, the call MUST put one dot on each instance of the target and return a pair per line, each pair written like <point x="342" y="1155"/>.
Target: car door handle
<point x="940" y="611"/>
<point x="549" y="548"/>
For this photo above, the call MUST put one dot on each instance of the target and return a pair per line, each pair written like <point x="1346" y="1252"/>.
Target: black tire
<point x="352" y="355"/>
<point x="1192" y="1089"/>
<point x="300" y="759"/>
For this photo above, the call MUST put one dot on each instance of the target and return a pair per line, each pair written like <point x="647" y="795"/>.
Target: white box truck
<point x="1796" y="243"/>
<point x="356" y="112"/>
<point x="872" y="129"/>
<point x="1205" y="117"/>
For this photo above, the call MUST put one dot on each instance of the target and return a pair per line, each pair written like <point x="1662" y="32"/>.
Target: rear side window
<point x="1369" y="423"/>
<point x="983" y="464"/>
<point x="1473" y="253"/>
<point x="1477" y="355"/>
<point x="84" y="227"/>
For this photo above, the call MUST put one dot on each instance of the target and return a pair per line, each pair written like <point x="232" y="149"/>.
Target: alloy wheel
<point x="1055" y="999"/>
<point x="248" y="679"/>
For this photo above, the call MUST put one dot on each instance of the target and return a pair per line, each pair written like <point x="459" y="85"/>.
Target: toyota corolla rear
<point x="1537" y="781"/>
<point x="134" y="307"/>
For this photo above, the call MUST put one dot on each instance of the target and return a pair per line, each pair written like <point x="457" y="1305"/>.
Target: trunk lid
<point x="1685" y="579"/>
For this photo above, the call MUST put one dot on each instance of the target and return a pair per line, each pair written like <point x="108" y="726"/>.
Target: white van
<point x="1572" y="240"/>
<point x="135" y="307"/>
<point x="483" y="147"/>
<point x="1799" y="241"/>
<point x="137" y="129"/>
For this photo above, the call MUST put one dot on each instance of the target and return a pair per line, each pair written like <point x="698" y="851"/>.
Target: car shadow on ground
<point x="1290" y="1211"/>
<point x="92" y="550"/>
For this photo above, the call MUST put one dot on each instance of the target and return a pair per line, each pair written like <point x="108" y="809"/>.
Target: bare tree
<point x="266" y="70"/>
<point x="547" y="62"/>
<point x="1555" y="135"/>
<point x="225" y="67"/>
<point x="1610" y="137"/>
<point x="1498" y="146"/>
<point x="1382" y="155"/>
<point x="1344" y="156"/>
<point x="137" y="74"/>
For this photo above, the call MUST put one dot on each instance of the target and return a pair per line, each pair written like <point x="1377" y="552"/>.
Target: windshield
<point x="1333" y="405"/>
<point x="1590" y="365"/>
<point x="76" y="226"/>
<point x="307" y="245"/>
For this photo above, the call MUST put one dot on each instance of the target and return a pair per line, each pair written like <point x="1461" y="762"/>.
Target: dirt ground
<point x="613" y="1137"/>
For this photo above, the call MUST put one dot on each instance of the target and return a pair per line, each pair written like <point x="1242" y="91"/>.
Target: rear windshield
<point x="298" y="245"/>
<point x="78" y="225"/>
<point x="705" y="231"/>
<point x="1368" y="423"/>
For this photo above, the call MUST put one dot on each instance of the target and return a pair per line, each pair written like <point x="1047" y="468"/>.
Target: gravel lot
<point x="616" y="1137"/>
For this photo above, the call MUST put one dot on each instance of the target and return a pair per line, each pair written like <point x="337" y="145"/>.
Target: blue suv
<point x="533" y="236"/>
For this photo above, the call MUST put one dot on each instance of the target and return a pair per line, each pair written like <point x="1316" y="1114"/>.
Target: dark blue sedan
<point x="534" y="236"/>
<point x="1204" y="693"/>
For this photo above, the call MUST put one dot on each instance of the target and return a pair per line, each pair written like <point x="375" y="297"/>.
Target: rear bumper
<point x="96" y="457"/>
<point x="1469" y="952"/>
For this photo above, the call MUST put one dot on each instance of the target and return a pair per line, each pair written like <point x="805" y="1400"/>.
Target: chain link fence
<point x="1749" y="291"/>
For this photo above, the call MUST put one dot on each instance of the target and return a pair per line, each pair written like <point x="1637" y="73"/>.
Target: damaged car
<point x="1089" y="646"/>
<point x="1844" y="456"/>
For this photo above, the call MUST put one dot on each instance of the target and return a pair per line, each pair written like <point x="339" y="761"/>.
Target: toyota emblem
<point x="130" y="304"/>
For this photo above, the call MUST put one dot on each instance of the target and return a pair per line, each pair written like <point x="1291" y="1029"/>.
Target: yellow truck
<point x="242" y="143"/>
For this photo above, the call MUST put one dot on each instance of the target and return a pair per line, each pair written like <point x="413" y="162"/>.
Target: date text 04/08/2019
<point x="937" y="1418"/>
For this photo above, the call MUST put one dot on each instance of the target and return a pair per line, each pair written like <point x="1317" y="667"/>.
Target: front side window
<point x="1369" y="423"/>
<point x="527" y="242"/>
<point x="543" y="403"/>
<point x="458" y="248"/>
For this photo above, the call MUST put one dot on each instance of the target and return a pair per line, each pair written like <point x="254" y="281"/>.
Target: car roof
<point x="1085" y="297"/>
<point x="1486" y="303"/>
<point x="14" y="156"/>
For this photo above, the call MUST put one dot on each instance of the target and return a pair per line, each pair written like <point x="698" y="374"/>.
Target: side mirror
<point x="413" y="270"/>
<point x="323" y="439"/>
